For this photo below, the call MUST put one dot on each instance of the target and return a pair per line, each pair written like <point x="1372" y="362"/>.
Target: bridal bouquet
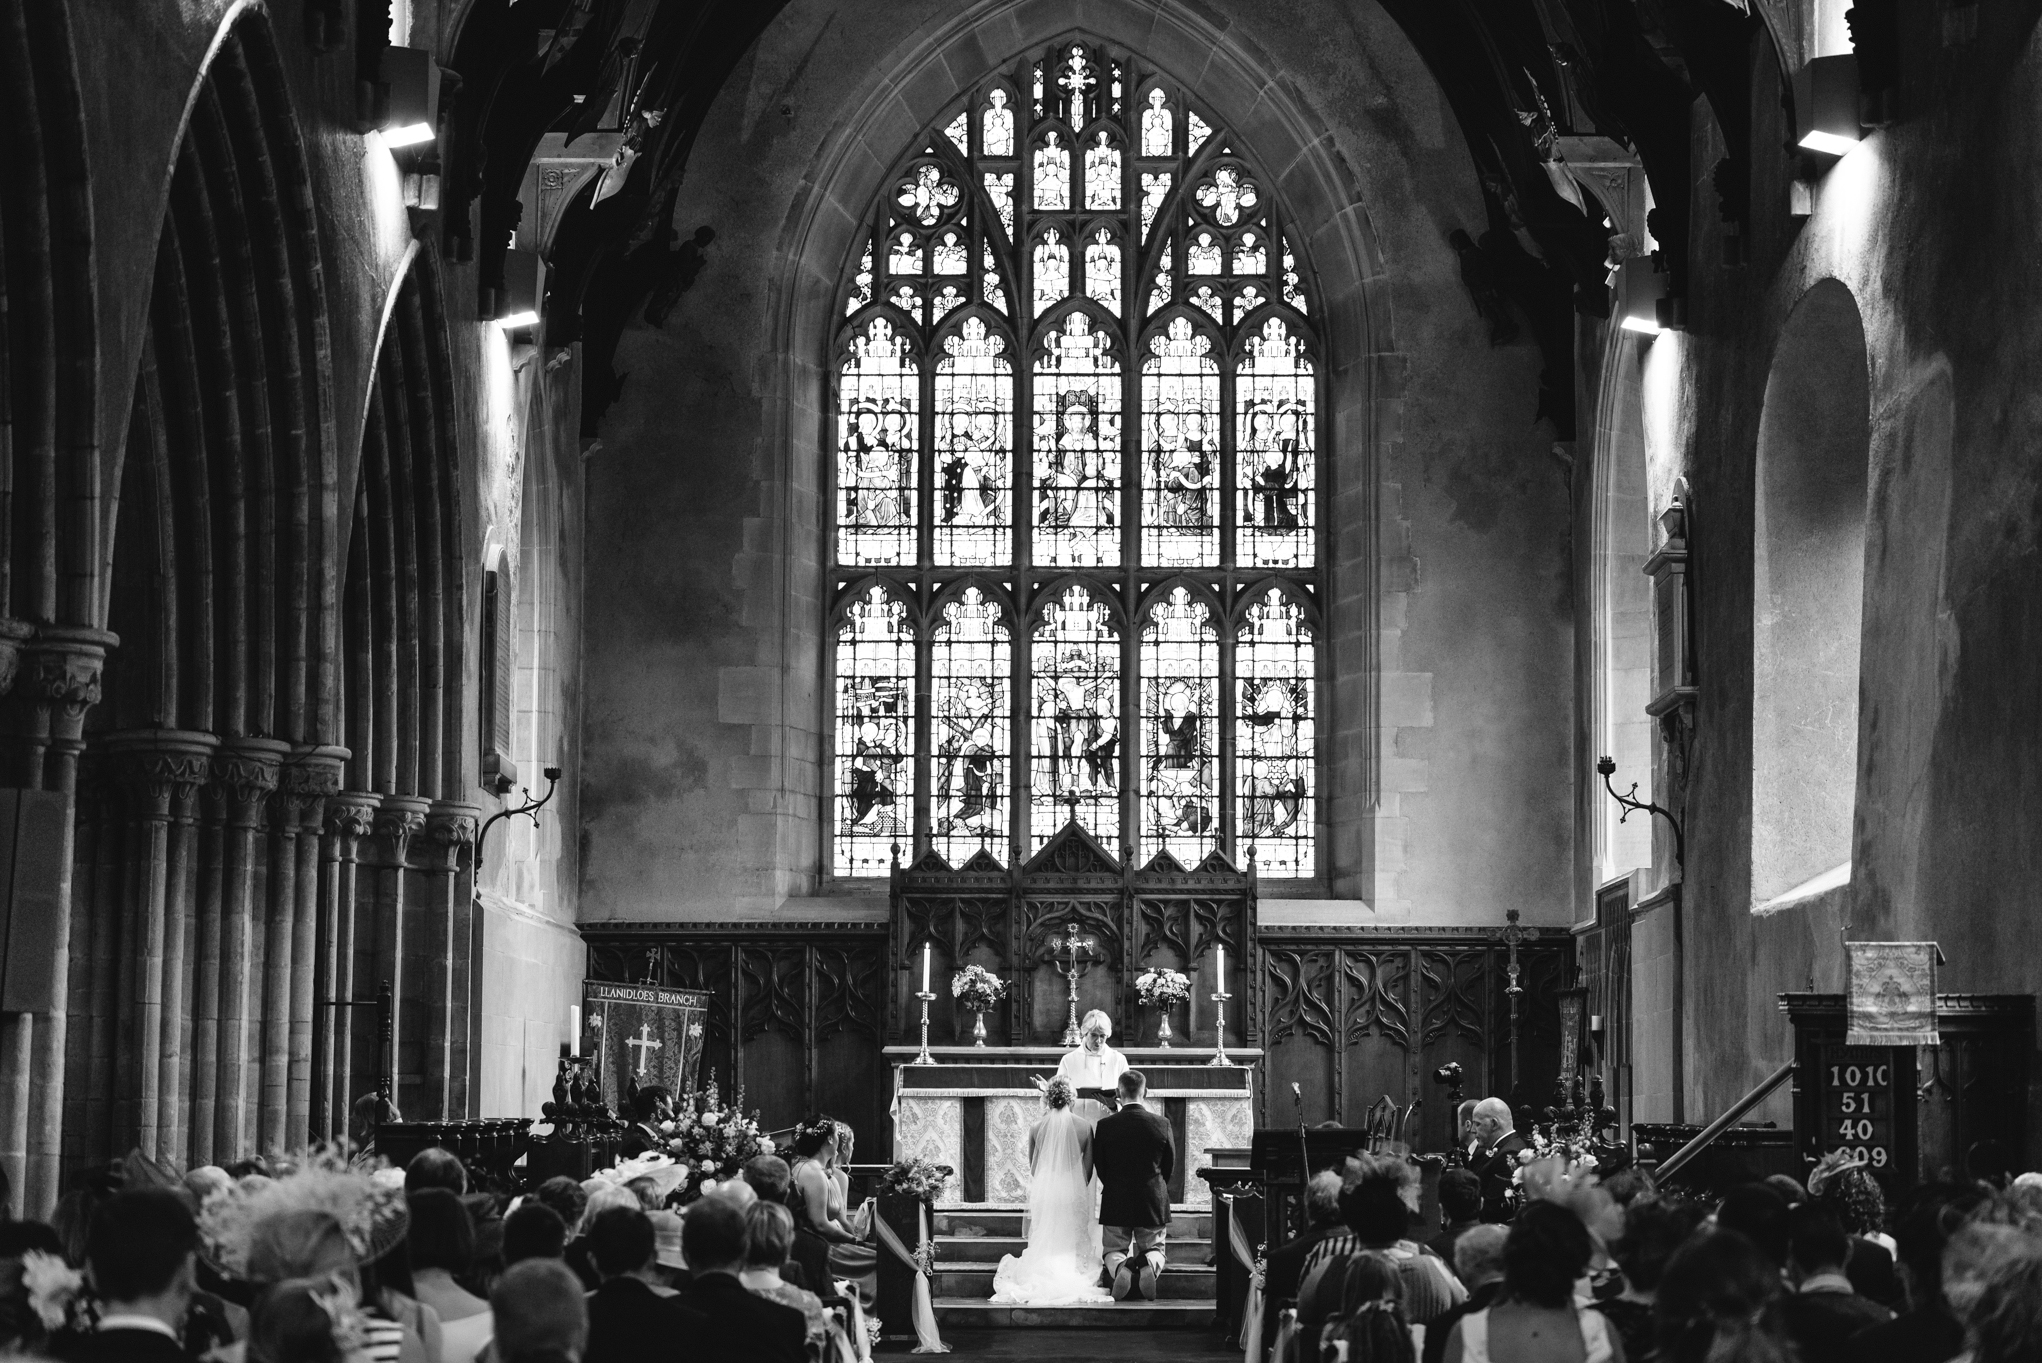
<point x="917" y="1178"/>
<point x="977" y="988"/>
<point x="1161" y="987"/>
<point x="711" y="1140"/>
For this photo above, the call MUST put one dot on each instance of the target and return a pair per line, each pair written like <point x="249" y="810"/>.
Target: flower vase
<point x="1163" y="1030"/>
<point x="978" y="1029"/>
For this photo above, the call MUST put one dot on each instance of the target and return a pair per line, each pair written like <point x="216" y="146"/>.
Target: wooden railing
<point x="1672" y="1165"/>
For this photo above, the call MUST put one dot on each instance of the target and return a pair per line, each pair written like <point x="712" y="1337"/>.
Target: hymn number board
<point x="1859" y="1099"/>
<point x="1855" y="1098"/>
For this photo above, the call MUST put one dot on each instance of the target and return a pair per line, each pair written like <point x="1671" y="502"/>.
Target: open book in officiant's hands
<point x="1107" y="1096"/>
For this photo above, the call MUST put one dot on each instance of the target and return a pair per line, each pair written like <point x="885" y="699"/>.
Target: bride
<point x="1061" y="1263"/>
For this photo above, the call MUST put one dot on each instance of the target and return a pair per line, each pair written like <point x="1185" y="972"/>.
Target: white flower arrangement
<point x="977" y="988"/>
<point x="1161" y="987"/>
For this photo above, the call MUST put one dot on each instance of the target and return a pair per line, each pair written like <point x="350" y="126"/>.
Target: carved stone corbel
<point x="162" y="769"/>
<point x="399" y="819"/>
<point x="309" y="778"/>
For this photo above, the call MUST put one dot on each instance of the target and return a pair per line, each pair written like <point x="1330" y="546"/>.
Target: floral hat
<point x="369" y="1212"/>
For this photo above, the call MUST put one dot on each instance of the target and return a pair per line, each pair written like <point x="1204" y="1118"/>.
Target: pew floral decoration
<point x="917" y="1178"/>
<point x="711" y="1140"/>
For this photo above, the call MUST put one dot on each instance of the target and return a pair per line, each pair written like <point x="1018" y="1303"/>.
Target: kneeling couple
<point x="1068" y="1259"/>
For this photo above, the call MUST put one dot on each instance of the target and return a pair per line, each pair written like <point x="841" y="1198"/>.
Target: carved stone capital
<point x="13" y="635"/>
<point x="399" y="819"/>
<point x="61" y="668"/>
<point x="245" y="770"/>
<point x="309" y="777"/>
<point x="160" y="768"/>
<point x="450" y="830"/>
<point x="351" y="816"/>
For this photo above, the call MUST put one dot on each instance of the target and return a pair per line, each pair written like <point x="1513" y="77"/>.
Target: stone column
<point x="61" y="671"/>
<point x="312" y="776"/>
<point x="399" y="820"/>
<point x="17" y="1030"/>
<point x="180" y="960"/>
<point x="445" y="916"/>
<point x="159" y="768"/>
<point x="350" y="817"/>
<point x="95" y="896"/>
<point x="246" y="771"/>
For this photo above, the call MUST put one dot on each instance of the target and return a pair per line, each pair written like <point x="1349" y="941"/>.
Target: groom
<point x="1133" y="1155"/>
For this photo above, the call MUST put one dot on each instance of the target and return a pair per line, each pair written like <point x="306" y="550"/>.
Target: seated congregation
<point x="325" y="1260"/>
<point x="1572" y="1268"/>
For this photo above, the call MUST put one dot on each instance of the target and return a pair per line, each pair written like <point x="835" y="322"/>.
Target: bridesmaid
<point x="821" y="1190"/>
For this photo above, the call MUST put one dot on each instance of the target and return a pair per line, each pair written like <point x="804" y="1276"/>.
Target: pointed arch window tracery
<point x="1076" y="522"/>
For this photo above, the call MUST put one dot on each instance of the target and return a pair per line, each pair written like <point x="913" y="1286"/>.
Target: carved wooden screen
<point x="794" y="1011"/>
<point x="1012" y="922"/>
<point x="1350" y="1015"/>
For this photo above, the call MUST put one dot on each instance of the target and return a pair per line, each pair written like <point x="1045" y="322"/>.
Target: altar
<point x="972" y="1110"/>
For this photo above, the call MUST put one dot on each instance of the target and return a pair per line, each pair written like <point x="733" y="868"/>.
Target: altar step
<point x="987" y="1249"/>
<point x="1180" y="1282"/>
<point x="959" y="1313"/>
<point x="1185" y="1223"/>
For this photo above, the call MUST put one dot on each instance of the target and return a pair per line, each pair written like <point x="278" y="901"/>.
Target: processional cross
<point x="645" y="1044"/>
<point x="1511" y="935"/>
<point x="1078" y="947"/>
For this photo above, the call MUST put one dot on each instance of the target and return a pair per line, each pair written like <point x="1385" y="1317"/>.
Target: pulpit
<point x="972" y="1110"/>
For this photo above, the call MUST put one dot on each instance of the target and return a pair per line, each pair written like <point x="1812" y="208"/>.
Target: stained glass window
<point x="1275" y="400"/>
<point x="877" y="427"/>
<point x="1180" y="449"/>
<point x="1180" y="690"/>
<point x="974" y="447"/>
<point x="971" y="726"/>
<point x="875" y="667"/>
<point x="1075" y="365"/>
<point x="1273" y="736"/>
<point x="1075" y="703"/>
<point x="1077" y="447"/>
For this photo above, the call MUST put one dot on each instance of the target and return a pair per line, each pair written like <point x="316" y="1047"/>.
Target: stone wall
<point x="1452" y="699"/>
<point x="1926" y="228"/>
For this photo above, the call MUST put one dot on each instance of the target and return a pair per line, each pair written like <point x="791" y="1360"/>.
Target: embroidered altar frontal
<point x="974" y="1115"/>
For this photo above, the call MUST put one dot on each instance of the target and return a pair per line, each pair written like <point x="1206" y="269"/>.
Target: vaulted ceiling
<point x="1518" y="74"/>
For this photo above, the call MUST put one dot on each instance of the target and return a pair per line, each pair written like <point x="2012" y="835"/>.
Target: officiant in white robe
<point x="1094" y="1065"/>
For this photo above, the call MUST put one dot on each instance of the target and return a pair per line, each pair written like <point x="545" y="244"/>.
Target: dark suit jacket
<point x="1821" y="1323"/>
<point x="742" y="1328"/>
<point x="1927" y="1335"/>
<point x="1495" y="1168"/>
<point x="1440" y="1330"/>
<point x="630" y="1323"/>
<point x="123" y="1346"/>
<point x="1133" y="1155"/>
<point x="1871" y="1272"/>
<point x="637" y="1140"/>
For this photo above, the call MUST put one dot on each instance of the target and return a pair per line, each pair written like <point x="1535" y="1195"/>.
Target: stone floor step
<point x="1180" y="1282"/>
<point x="987" y="1249"/>
<point x="964" y="1314"/>
<point x="1185" y="1223"/>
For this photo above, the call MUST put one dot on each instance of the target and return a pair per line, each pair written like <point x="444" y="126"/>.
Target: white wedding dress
<point x="1060" y="1266"/>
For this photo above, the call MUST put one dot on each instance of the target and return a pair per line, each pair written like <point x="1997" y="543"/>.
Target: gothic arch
<point x="1327" y="206"/>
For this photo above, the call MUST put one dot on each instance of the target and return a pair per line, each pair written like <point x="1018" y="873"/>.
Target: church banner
<point x="642" y="1034"/>
<point x="1893" y="994"/>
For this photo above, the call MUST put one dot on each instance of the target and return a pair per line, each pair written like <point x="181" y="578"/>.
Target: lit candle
<point x="574" y="1027"/>
<point x="1220" y="973"/>
<point x="925" y="966"/>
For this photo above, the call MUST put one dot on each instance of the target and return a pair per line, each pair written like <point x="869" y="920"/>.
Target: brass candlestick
<point x="925" y="1058"/>
<point x="1219" y="1039"/>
